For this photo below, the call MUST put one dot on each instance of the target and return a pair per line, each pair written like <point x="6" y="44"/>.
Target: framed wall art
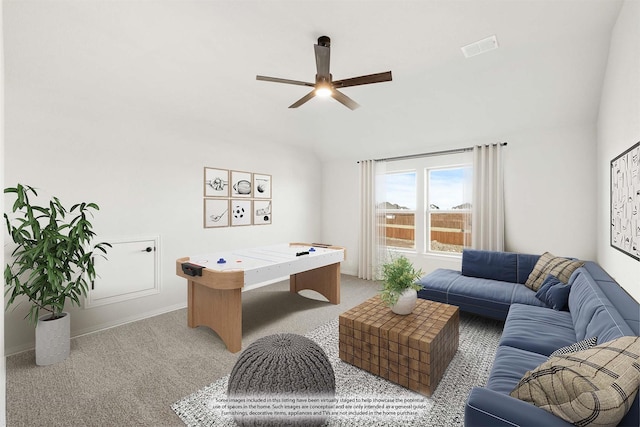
<point x="241" y="212"/>
<point x="241" y="184"/>
<point x="236" y="198"/>
<point x="261" y="212"/>
<point x="625" y="202"/>
<point x="261" y="186"/>
<point x="216" y="182"/>
<point x="216" y="213"/>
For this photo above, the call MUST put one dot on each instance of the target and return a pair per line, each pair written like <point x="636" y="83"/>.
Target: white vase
<point x="53" y="339"/>
<point x="406" y="302"/>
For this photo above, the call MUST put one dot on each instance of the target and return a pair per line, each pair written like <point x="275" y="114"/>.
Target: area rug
<point x="368" y="399"/>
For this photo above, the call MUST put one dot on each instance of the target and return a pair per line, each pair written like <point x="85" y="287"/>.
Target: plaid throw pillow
<point x="562" y="268"/>
<point x="593" y="387"/>
<point x="579" y="346"/>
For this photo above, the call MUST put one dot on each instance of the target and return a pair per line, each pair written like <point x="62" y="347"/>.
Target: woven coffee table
<point x="412" y="350"/>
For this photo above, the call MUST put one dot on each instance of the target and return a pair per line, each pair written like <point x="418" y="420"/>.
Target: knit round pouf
<point x="284" y="379"/>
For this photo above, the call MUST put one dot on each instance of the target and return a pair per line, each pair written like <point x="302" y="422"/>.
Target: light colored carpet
<point x="470" y="367"/>
<point x="130" y="375"/>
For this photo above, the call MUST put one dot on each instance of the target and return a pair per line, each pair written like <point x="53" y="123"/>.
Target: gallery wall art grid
<point x="236" y="198"/>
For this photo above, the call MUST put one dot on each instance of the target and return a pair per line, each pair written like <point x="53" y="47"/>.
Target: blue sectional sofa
<point x="492" y="284"/>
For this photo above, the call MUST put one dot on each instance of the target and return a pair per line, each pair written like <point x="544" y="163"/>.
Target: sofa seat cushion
<point x="509" y="366"/>
<point x="537" y="329"/>
<point x="590" y="387"/>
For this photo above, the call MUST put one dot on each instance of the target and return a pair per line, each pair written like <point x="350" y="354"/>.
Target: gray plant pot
<point x="53" y="339"/>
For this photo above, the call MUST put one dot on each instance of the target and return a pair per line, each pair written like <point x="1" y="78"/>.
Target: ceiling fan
<point x="324" y="85"/>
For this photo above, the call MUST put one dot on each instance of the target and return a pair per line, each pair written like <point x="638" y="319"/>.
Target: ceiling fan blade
<point x="304" y="99"/>
<point x="344" y="99"/>
<point x="322" y="60"/>
<point x="364" y="80"/>
<point x="287" y="81"/>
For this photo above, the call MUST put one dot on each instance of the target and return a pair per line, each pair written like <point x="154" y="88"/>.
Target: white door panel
<point x="130" y="271"/>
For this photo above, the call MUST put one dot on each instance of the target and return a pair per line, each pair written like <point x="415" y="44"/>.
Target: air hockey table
<point x="215" y="282"/>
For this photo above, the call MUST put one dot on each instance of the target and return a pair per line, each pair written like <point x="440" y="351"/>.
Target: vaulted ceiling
<point x="190" y="67"/>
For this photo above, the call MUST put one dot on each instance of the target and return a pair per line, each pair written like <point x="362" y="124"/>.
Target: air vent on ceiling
<point x="481" y="46"/>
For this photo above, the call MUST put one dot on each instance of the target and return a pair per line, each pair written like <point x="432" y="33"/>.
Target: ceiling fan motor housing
<point x="324" y="41"/>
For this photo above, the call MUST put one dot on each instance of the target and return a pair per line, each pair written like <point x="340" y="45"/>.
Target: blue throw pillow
<point x="558" y="297"/>
<point x="554" y="293"/>
<point x="550" y="281"/>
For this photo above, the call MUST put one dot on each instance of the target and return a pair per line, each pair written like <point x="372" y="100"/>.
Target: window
<point x="425" y="204"/>
<point x="397" y="211"/>
<point x="448" y="209"/>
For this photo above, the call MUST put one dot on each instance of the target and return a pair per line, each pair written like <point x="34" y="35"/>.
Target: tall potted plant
<point x="52" y="262"/>
<point x="399" y="284"/>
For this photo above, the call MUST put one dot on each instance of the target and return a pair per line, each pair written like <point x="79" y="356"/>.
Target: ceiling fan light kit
<point x="324" y="85"/>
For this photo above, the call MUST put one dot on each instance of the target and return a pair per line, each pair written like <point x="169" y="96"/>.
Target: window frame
<point x="429" y="211"/>
<point x="421" y="166"/>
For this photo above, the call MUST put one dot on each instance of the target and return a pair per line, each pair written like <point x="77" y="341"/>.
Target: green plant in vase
<point x="53" y="261"/>
<point x="399" y="284"/>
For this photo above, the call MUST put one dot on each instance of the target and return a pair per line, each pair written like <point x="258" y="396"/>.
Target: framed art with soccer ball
<point x="241" y="212"/>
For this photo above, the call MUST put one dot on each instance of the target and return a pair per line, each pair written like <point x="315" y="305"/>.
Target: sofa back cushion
<point x="592" y="313"/>
<point x="495" y="265"/>
<point x="628" y="307"/>
<point x="526" y="262"/>
<point x="489" y="265"/>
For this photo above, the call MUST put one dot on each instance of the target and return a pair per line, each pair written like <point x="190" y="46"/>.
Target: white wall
<point x="619" y="129"/>
<point x="3" y="374"/>
<point x="147" y="180"/>
<point x="550" y="191"/>
<point x="550" y="197"/>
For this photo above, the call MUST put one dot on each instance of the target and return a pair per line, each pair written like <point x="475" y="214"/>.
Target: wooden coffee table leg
<point x="324" y="280"/>
<point x="220" y="310"/>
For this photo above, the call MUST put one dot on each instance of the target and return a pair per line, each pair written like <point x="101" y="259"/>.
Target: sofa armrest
<point x="488" y="408"/>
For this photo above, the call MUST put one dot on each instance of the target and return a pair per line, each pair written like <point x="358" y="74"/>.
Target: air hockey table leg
<point x="324" y="280"/>
<point x="218" y="309"/>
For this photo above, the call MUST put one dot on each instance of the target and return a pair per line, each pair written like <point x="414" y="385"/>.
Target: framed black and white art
<point x="216" y="213"/>
<point x="625" y="202"/>
<point x="216" y="182"/>
<point x="240" y="184"/>
<point x="240" y="212"/>
<point x="261" y="186"/>
<point x="261" y="212"/>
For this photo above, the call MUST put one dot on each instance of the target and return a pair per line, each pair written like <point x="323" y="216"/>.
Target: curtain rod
<point x="433" y="153"/>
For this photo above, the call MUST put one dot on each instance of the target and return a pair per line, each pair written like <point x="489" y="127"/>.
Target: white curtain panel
<point x="367" y="249"/>
<point x="371" y="242"/>
<point x="487" y="230"/>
